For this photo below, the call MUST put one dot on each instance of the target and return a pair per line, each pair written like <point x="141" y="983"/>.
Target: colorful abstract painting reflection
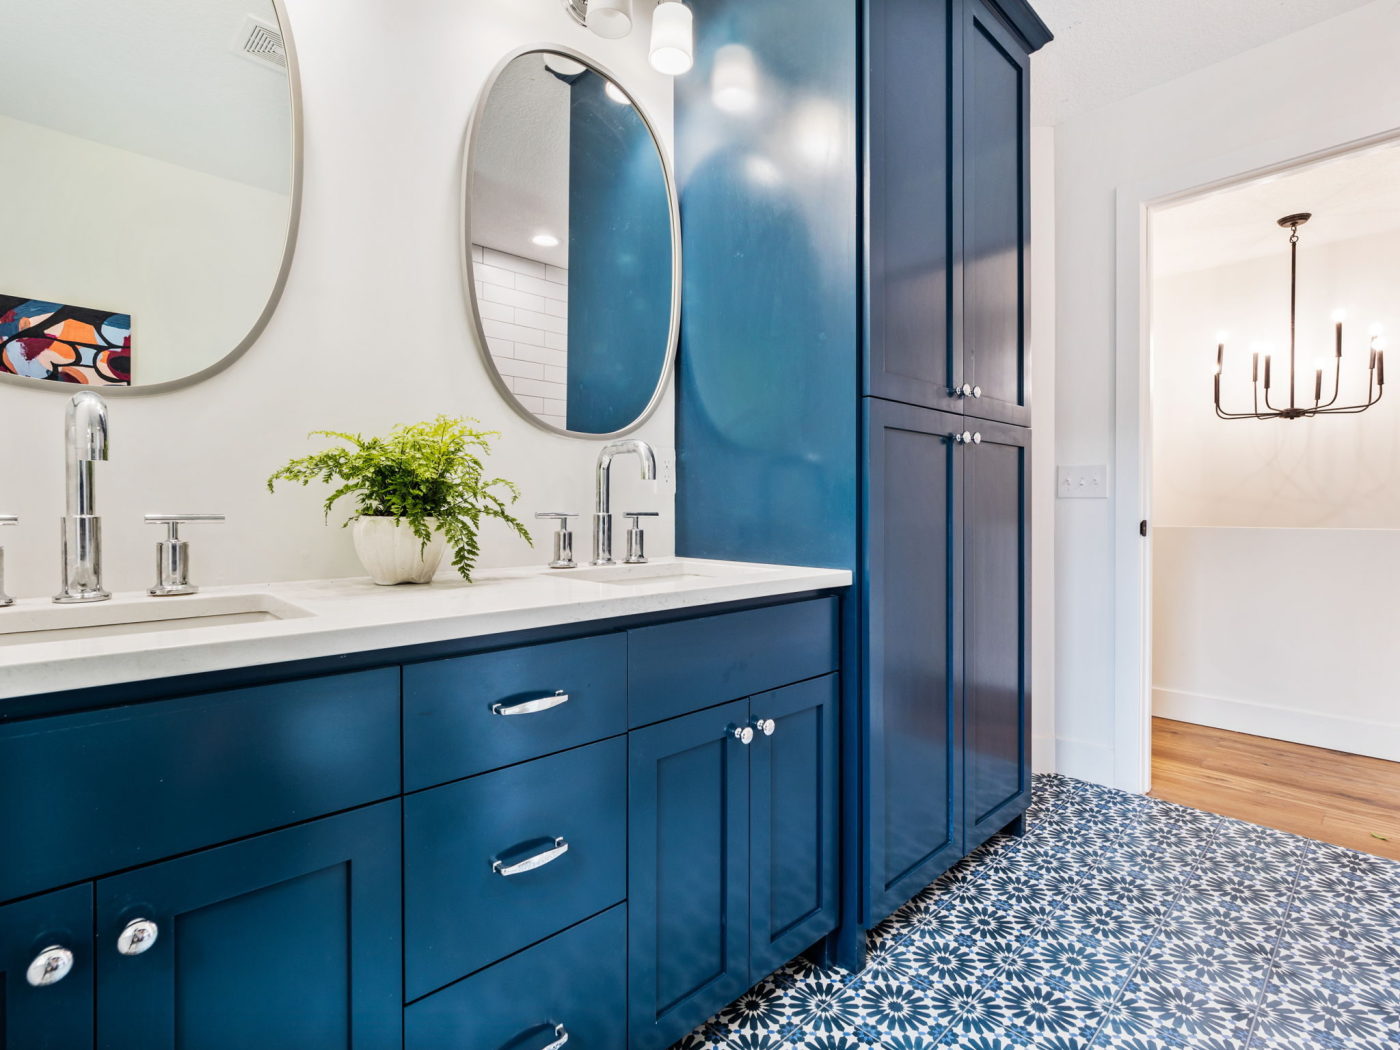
<point x="64" y="344"/>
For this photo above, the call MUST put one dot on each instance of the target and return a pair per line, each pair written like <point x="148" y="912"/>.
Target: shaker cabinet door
<point x="913" y="641"/>
<point x="996" y="667"/>
<point x="992" y="317"/>
<point x="281" y="942"/>
<point x="46" y="971"/>
<point x="911" y="355"/>
<point x="688" y="950"/>
<point x="793" y="788"/>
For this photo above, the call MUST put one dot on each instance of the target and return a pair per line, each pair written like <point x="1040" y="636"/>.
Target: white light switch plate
<point x="1082" y="483"/>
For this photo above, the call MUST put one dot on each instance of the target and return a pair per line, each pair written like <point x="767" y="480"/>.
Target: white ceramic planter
<point x="391" y="553"/>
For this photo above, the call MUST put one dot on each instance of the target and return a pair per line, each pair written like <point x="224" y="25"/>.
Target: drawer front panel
<point x="452" y="728"/>
<point x="676" y="668"/>
<point x="92" y="793"/>
<point x="485" y="869"/>
<point x="572" y="985"/>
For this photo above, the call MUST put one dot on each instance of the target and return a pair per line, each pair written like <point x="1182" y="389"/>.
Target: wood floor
<point x="1345" y="799"/>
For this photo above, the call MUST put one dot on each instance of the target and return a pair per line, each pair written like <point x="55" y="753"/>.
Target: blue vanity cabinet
<point x="290" y="939"/>
<point x="688" y="856"/>
<point x="992" y="66"/>
<point x="570" y="990"/>
<point x="55" y="1015"/>
<point x="733" y="853"/>
<point x="793" y="821"/>
<point x="996" y="618"/>
<point x="498" y="862"/>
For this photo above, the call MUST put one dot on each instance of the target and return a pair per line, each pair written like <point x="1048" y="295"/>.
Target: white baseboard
<point x="1354" y="736"/>
<point x="1085" y="760"/>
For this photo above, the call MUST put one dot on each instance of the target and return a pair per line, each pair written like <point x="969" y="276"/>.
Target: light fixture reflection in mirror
<point x="734" y="82"/>
<point x="616" y="94"/>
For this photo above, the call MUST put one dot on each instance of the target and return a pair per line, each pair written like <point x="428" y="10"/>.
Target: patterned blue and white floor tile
<point x="1118" y="922"/>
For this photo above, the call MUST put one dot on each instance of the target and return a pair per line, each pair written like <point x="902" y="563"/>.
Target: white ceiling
<point x="1108" y="50"/>
<point x="1351" y="195"/>
<point x="520" y="163"/>
<point x="160" y="78"/>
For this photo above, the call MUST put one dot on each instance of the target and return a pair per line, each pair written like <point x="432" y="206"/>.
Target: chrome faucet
<point x="602" y="518"/>
<point x="86" y="440"/>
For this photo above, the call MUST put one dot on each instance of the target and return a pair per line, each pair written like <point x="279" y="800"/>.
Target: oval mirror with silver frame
<point x="152" y="189"/>
<point x="571" y="245"/>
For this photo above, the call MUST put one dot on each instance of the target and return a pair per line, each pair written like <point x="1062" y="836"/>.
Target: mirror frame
<point x="274" y="297"/>
<point x="464" y="228"/>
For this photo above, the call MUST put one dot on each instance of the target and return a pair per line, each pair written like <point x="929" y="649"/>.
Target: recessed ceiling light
<point x="545" y="240"/>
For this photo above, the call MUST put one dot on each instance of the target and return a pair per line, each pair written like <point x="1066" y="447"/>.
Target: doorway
<point x="1274" y="566"/>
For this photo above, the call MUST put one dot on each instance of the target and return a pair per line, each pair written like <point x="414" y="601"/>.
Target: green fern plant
<point x="418" y="472"/>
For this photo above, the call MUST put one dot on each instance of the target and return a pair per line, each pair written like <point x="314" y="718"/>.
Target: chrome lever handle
<point x="563" y="538"/>
<point x="530" y="707"/>
<point x="173" y="554"/>
<point x="539" y="860"/>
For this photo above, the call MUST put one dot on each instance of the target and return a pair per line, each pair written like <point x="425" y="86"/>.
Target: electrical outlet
<point x="1082" y="483"/>
<point x="666" y="470"/>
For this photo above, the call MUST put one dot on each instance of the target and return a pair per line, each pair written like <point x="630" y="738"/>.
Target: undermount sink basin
<point x="23" y="626"/>
<point x="652" y="572"/>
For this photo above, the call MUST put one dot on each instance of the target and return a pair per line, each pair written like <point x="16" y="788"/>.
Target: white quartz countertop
<point x="233" y="627"/>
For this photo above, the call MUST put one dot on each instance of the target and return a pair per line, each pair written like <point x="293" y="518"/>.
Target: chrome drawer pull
<point x="531" y="707"/>
<point x="539" y="860"/>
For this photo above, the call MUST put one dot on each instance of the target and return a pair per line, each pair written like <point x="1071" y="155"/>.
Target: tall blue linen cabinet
<point x="854" y="386"/>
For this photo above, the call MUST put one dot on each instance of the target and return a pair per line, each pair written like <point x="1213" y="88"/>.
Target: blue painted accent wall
<point x="767" y="388"/>
<point x="619" y="262"/>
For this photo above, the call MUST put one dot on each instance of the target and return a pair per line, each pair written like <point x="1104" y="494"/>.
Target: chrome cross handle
<point x="173" y="554"/>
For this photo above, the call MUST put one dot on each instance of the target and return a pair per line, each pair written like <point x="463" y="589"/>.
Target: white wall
<point x="1043" y="450"/>
<point x="372" y="331"/>
<point x="96" y="226"/>
<point x="1286" y="633"/>
<point x="1329" y="84"/>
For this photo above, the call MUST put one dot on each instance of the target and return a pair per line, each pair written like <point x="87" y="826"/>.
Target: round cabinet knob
<point x="965" y="438"/>
<point x="49" y="967"/>
<point x="977" y="391"/>
<point x="766" y="726"/>
<point x="977" y="439"/>
<point x="965" y="390"/>
<point x="139" y="936"/>
<point x="743" y="734"/>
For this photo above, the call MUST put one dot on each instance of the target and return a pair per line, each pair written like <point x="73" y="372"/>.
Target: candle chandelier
<point x="1293" y="410"/>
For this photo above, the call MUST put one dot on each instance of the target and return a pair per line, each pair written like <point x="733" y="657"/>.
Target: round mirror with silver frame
<point x="570" y="245"/>
<point x="166" y="176"/>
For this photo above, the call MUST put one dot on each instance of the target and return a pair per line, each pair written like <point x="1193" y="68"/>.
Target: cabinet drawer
<point x="676" y="668"/>
<point x="576" y="980"/>
<point x="458" y="716"/>
<point x="463" y="907"/>
<point x="91" y="793"/>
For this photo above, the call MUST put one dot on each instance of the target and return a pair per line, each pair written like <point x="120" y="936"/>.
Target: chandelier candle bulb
<point x="1317" y="388"/>
<point x="1219" y="358"/>
<point x="1255" y="376"/>
<point x="1268" y="370"/>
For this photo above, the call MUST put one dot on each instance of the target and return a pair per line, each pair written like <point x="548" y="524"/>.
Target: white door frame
<point x="1132" y="591"/>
